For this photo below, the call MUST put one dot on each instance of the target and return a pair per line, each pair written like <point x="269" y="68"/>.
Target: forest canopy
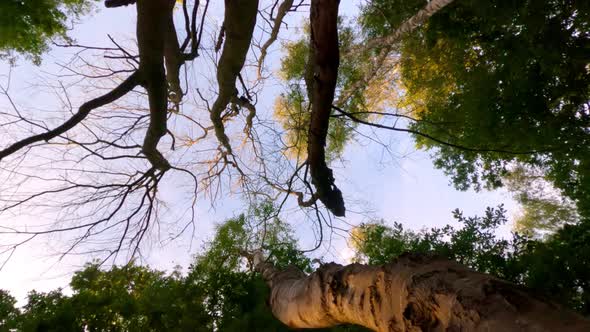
<point x="220" y="291"/>
<point x="129" y="137"/>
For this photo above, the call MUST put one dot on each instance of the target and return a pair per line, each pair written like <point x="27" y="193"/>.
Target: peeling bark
<point x="325" y="59"/>
<point x="238" y="23"/>
<point x="414" y="293"/>
<point x="410" y="24"/>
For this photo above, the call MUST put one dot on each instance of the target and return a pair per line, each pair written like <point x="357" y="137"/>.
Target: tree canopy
<point x="28" y="27"/>
<point x="192" y="108"/>
<point x="515" y="104"/>
<point x="509" y="81"/>
<point x="221" y="292"/>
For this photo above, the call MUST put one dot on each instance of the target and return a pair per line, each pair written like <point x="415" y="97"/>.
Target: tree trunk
<point x="152" y="23"/>
<point x="238" y="26"/>
<point x="409" y="25"/>
<point x="325" y="59"/>
<point x="414" y="293"/>
<point x="386" y="44"/>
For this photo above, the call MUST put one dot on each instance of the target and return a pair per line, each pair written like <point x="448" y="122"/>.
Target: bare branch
<point x="126" y="86"/>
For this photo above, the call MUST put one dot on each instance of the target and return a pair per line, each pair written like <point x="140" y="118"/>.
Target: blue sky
<point x="402" y="186"/>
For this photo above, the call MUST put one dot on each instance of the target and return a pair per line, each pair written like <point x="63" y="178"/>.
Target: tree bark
<point x="173" y="60"/>
<point x="409" y="25"/>
<point x="238" y="25"/>
<point x="152" y="29"/>
<point x="414" y="293"/>
<point x="325" y="59"/>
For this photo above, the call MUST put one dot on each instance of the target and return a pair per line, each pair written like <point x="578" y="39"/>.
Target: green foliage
<point x="380" y="17"/>
<point x="219" y="293"/>
<point x="499" y="75"/>
<point x="236" y="296"/>
<point x="135" y="298"/>
<point x="543" y="208"/>
<point x="556" y="267"/>
<point x="292" y="108"/>
<point x="222" y="293"/>
<point x="49" y="312"/>
<point x="8" y="312"/>
<point x="129" y="298"/>
<point x="27" y="27"/>
<point x="294" y="64"/>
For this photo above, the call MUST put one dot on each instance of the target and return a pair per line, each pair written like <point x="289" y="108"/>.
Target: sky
<point x="401" y="186"/>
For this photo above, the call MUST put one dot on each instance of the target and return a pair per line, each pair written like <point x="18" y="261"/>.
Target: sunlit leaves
<point x="498" y="75"/>
<point x="544" y="209"/>
<point x="27" y="27"/>
<point x="292" y="111"/>
<point x="294" y="64"/>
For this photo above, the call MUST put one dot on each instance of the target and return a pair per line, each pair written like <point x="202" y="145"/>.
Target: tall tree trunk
<point x="153" y="19"/>
<point x="414" y="293"/>
<point x="325" y="59"/>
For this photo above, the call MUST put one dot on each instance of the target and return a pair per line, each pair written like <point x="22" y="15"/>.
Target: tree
<point x="8" y="312"/>
<point x="424" y="290"/>
<point x="219" y="293"/>
<point x="544" y="208"/>
<point x="135" y="298"/>
<point x="28" y="26"/>
<point x="508" y="81"/>
<point x="537" y="264"/>
<point x="237" y="297"/>
<point x="128" y="298"/>
<point x="112" y="162"/>
<point x="222" y="292"/>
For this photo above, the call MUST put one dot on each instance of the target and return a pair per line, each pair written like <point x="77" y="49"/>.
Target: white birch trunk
<point x="385" y="43"/>
<point x="414" y="293"/>
<point x="410" y="24"/>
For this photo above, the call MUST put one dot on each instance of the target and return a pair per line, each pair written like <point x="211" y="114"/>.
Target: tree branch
<point x="118" y="3"/>
<point x="432" y="138"/>
<point x="325" y="58"/>
<point x="239" y="22"/>
<point x="153" y="20"/>
<point x="281" y="13"/>
<point x="125" y="87"/>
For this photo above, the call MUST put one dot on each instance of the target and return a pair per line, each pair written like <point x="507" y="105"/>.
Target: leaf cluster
<point x="27" y="27"/>
<point x="508" y="78"/>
